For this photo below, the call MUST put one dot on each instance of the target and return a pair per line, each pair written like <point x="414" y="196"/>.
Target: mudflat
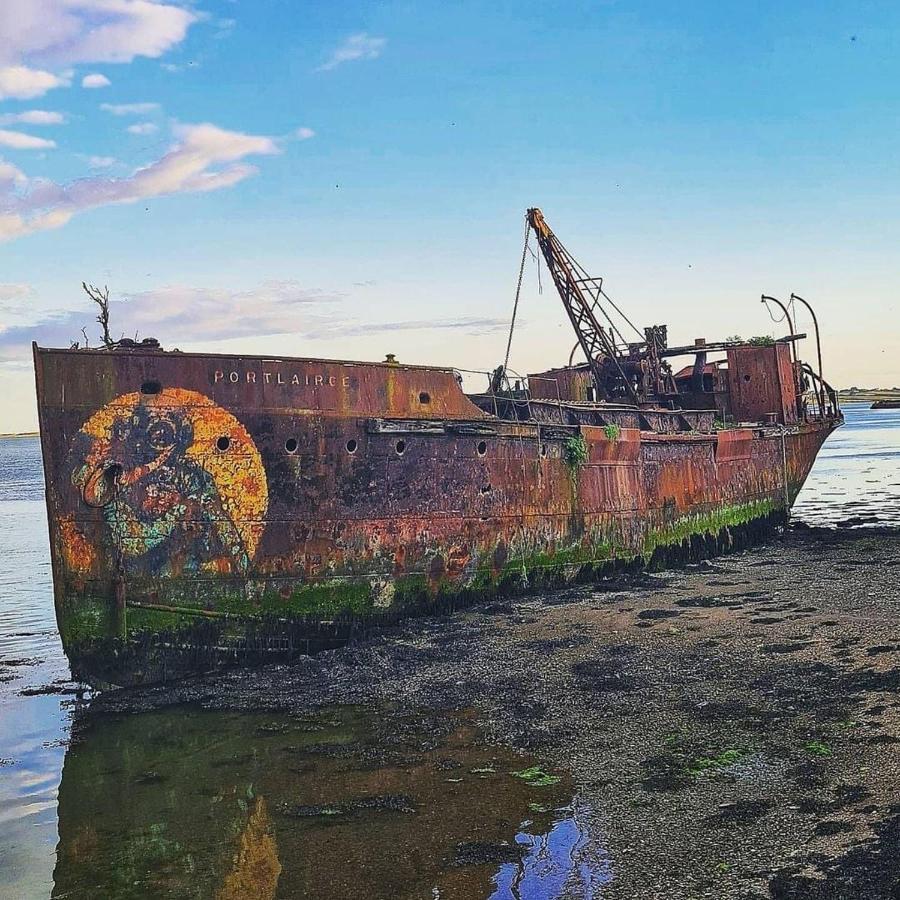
<point x="732" y="728"/>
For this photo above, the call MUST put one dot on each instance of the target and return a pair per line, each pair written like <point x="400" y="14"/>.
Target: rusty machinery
<point x="637" y="372"/>
<point x="622" y="370"/>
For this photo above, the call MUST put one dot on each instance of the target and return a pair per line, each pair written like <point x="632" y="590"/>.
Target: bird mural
<point x="178" y="481"/>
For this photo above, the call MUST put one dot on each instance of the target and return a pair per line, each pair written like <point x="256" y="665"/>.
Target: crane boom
<point x="597" y="345"/>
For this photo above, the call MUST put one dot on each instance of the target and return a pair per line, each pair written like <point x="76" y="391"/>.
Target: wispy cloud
<point x="14" y="293"/>
<point x="143" y="128"/>
<point x="206" y="158"/>
<point x="33" y="117"/>
<point x="11" y="177"/>
<point x="174" y="68"/>
<point x="466" y="324"/>
<point x="19" y="141"/>
<point x="101" y="162"/>
<point x="304" y="134"/>
<point x="130" y="109"/>
<point x="23" y="83"/>
<point x="224" y="27"/>
<point x="356" y="46"/>
<point x="95" y="80"/>
<point x="180" y="315"/>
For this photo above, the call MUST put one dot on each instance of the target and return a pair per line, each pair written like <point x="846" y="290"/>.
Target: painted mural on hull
<point x="178" y="481"/>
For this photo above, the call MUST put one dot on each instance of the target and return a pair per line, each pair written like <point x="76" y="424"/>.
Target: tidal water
<point x="856" y="479"/>
<point x="192" y="804"/>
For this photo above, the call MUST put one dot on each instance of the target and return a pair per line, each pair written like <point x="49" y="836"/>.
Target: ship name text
<point x="297" y="379"/>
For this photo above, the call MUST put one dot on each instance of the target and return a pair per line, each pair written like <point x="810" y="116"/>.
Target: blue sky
<point x="350" y="179"/>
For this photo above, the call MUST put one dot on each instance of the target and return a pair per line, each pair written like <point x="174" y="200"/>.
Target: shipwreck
<point x="211" y="509"/>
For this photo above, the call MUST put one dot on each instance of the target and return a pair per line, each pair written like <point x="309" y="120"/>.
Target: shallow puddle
<point x="187" y="803"/>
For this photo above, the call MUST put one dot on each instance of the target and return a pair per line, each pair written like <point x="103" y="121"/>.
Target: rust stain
<point x="78" y="552"/>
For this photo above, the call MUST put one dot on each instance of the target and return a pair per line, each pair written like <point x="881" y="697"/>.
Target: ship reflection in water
<point x="188" y="803"/>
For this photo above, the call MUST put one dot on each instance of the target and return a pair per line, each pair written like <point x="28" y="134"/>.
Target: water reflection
<point x="561" y="863"/>
<point x="187" y="803"/>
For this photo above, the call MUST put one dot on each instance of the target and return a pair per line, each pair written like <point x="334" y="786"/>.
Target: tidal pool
<point x="188" y="803"/>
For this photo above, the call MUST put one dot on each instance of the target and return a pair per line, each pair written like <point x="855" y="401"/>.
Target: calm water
<point x="106" y="817"/>
<point x="856" y="478"/>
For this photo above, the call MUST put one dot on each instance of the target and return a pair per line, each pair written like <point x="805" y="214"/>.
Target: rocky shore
<point x="732" y="728"/>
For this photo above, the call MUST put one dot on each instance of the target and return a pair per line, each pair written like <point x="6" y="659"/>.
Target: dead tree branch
<point x="101" y="298"/>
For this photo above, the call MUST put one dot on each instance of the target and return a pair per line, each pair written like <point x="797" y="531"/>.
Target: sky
<point x="346" y="180"/>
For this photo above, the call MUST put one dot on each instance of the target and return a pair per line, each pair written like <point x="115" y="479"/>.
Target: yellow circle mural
<point x="179" y="480"/>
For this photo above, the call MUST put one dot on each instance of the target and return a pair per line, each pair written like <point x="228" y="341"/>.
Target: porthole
<point x="747" y="377"/>
<point x="481" y="447"/>
<point x="424" y="397"/>
<point x="223" y="443"/>
<point x="351" y="445"/>
<point x="400" y="447"/>
<point x="291" y="445"/>
<point x="151" y="387"/>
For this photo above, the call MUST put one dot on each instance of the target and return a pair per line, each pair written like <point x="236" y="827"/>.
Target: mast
<point x="575" y="287"/>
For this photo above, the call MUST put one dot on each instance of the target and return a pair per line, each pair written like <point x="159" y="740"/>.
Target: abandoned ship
<point x="210" y="509"/>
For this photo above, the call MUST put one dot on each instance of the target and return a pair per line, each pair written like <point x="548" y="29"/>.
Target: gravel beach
<point x="732" y="728"/>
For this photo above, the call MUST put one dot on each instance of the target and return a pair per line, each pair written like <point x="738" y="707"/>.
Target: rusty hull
<point x="186" y="487"/>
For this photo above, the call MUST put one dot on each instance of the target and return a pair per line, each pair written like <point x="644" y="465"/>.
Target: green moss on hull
<point x="86" y="620"/>
<point x="709" y="523"/>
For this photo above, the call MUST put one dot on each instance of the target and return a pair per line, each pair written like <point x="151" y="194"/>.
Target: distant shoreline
<point x="16" y="434"/>
<point x="868" y="395"/>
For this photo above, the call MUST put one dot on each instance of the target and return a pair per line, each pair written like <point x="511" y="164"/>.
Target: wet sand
<point x="732" y="729"/>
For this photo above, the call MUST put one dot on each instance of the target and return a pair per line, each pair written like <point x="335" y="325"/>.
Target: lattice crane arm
<point x="594" y="341"/>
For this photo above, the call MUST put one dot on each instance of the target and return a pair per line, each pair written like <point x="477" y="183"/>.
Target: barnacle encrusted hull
<point x="255" y="505"/>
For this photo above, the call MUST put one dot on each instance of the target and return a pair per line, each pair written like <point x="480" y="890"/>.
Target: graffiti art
<point x="178" y="481"/>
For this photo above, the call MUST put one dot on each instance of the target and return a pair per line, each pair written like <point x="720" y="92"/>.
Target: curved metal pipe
<point x="818" y="350"/>
<point x="784" y="309"/>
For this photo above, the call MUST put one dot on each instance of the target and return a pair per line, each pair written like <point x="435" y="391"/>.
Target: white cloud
<point x="22" y="83"/>
<point x="206" y="158"/>
<point x="33" y="117"/>
<point x="356" y="46"/>
<point x="19" y="141"/>
<point x="40" y="38"/>
<point x="129" y="109"/>
<point x="304" y="134"/>
<point x="101" y="162"/>
<point x="95" y="80"/>
<point x="65" y="32"/>
<point x="143" y="128"/>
